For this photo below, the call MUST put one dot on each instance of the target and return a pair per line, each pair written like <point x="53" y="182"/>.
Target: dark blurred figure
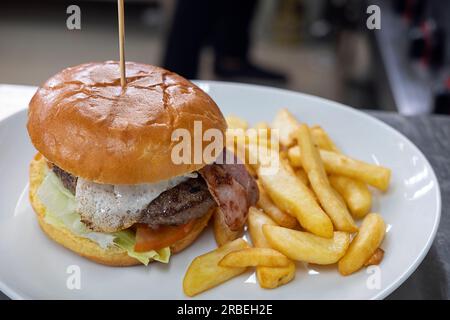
<point x="226" y="26"/>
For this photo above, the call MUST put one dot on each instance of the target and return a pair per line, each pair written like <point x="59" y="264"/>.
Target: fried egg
<point x="110" y="208"/>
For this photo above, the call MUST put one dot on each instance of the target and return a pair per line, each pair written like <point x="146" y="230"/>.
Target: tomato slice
<point x="153" y="239"/>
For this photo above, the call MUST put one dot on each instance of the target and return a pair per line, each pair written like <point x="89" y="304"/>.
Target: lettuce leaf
<point x="60" y="207"/>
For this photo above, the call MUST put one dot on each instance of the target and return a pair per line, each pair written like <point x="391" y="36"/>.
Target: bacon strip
<point x="233" y="189"/>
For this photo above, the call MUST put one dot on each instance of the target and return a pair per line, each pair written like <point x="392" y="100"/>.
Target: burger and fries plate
<point x="34" y="267"/>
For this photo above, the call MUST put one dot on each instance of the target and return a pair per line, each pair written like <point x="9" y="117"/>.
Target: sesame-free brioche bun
<point x="84" y="122"/>
<point x="113" y="256"/>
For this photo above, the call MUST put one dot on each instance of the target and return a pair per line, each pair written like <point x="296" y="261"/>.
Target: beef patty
<point x="186" y="201"/>
<point x="69" y="181"/>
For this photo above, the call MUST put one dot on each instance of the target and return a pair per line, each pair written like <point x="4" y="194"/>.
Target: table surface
<point x="430" y="133"/>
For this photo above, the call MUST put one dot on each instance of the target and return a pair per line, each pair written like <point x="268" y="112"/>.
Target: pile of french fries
<point x="306" y="211"/>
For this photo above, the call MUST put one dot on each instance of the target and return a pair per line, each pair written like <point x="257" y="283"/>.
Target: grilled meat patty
<point x="186" y="201"/>
<point x="69" y="181"/>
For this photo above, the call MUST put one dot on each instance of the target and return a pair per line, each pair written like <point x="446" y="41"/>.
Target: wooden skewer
<point x="120" y="10"/>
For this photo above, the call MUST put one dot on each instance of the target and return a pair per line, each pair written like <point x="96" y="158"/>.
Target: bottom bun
<point x="112" y="256"/>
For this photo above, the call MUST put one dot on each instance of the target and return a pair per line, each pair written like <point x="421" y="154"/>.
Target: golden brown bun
<point x="84" y="247"/>
<point x="83" y="121"/>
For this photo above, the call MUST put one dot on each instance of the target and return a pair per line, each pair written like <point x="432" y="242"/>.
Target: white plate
<point x="32" y="266"/>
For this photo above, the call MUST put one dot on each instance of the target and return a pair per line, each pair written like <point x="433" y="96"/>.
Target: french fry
<point x="222" y="233"/>
<point x="294" y="156"/>
<point x="256" y="219"/>
<point x="268" y="277"/>
<point x="260" y="134"/>
<point x="254" y="257"/>
<point x="263" y="130"/>
<point x="301" y="174"/>
<point x="355" y="193"/>
<point x="364" y="245"/>
<point x="286" y="124"/>
<point x="262" y="125"/>
<point x="306" y="247"/>
<point x="312" y="163"/>
<point x="261" y="155"/>
<point x="376" y="258"/>
<point x="204" y="272"/>
<point x="335" y="163"/>
<point x="234" y="122"/>
<point x="235" y="141"/>
<point x="322" y="140"/>
<point x="285" y="162"/>
<point x="235" y="137"/>
<point x="238" y="136"/>
<point x="281" y="218"/>
<point x="373" y="175"/>
<point x="291" y="195"/>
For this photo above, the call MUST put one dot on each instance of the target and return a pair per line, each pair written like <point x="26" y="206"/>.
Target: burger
<point x="104" y="184"/>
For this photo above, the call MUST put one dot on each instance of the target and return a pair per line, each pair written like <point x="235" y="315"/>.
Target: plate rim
<point x="13" y="294"/>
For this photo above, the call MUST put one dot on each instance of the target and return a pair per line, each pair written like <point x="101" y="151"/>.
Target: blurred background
<point x="320" y="47"/>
